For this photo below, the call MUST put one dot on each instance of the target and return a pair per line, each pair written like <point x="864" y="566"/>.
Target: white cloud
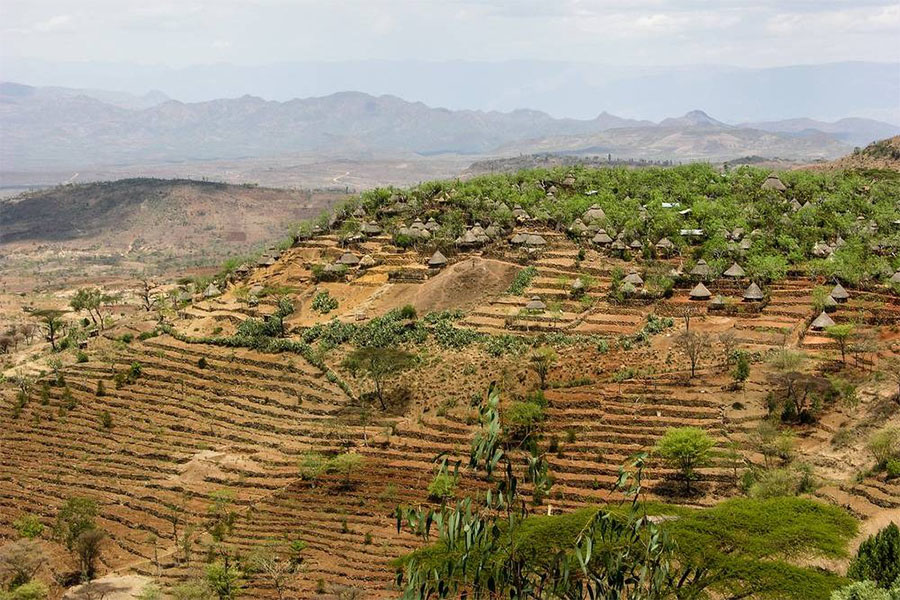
<point x="55" y="23"/>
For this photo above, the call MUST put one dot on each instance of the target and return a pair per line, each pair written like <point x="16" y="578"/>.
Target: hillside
<point x="112" y="228"/>
<point x="883" y="154"/>
<point x="54" y="131"/>
<point x="227" y="419"/>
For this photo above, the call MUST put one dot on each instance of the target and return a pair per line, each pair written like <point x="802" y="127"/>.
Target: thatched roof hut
<point x="635" y="245"/>
<point x="535" y="304"/>
<point x="634" y="279"/>
<point x="349" y="259"/>
<point x="593" y="214"/>
<point x="432" y="225"/>
<point x="665" y="244"/>
<point x="839" y="293"/>
<point x="359" y="213"/>
<point x="602" y="238"/>
<point x="753" y="293"/>
<point x="366" y="261"/>
<point x="701" y="269"/>
<point x="895" y="278"/>
<point x="437" y="260"/>
<point x="533" y="239"/>
<point x="265" y="261"/>
<point x="821" y="322"/>
<point x="717" y="302"/>
<point x="746" y="244"/>
<point x="578" y="228"/>
<point x="700" y="292"/>
<point x="830" y="304"/>
<point x="518" y="239"/>
<point x="772" y="182"/>
<point x="211" y="291"/>
<point x="371" y="228"/>
<point x="735" y="271"/>
<point x="617" y="245"/>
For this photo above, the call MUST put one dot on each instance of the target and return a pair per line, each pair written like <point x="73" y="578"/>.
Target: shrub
<point x="324" y="303"/>
<point x="101" y="389"/>
<point x="106" y="419"/>
<point x="33" y="590"/>
<point x="878" y="558"/>
<point x="127" y="338"/>
<point x="442" y="487"/>
<point x="522" y="280"/>
<point x="521" y="419"/>
<point x="29" y="526"/>
<point x="81" y="357"/>
<point x="408" y="312"/>
<point x="866" y="590"/>
<point x="884" y="445"/>
<point x="202" y="362"/>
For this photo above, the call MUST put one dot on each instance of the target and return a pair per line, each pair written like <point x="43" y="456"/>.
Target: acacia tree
<point x="148" y="294"/>
<point x="841" y="334"/>
<point x="20" y="561"/>
<point x="91" y="300"/>
<point x="379" y="365"/>
<point x="52" y="323"/>
<point x="542" y="360"/>
<point x="693" y="345"/>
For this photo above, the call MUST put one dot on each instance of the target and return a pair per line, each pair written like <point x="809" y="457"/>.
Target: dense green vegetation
<point x="858" y="207"/>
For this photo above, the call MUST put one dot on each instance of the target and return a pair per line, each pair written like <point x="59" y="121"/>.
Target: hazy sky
<point x="647" y="32"/>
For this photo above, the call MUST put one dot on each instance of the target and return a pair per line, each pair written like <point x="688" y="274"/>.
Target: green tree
<point x="34" y="590"/>
<point x="542" y="360"/>
<point x="841" y="334"/>
<point x="685" y="449"/>
<point x="29" y="526"/>
<point x="74" y="518"/>
<point x="224" y="580"/>
<point x="878" y="558"/>
<point x="52" y="322"/>
<point x="379" y="365"/>
<point x="866" y="590"/>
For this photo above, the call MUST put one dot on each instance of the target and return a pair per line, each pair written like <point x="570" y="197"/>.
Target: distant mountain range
<point x="46" y="128"/>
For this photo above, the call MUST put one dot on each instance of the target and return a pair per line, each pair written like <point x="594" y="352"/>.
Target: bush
<point x="101" y="389"/>
<point x="884" y="445"/>
<point x="324" y="303"/>
<point x="878" y="558"/>
<point x="866" y="590"/>
<point x="33" y="590"/>
<point x="106" y="419"/>
<point x="522" y="280"/>
<point x="202" y="362"/>
<point x="29" y="526"/>
<point x="774" y="483"/>
<point x="442" y="487"/>
<point x="81" y="357"/>
<point x="521" y="419"/>
<point x="408" y="312"/>
<point x="127" y="338"/>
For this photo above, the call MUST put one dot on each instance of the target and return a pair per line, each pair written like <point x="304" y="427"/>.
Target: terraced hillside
<point x="212" y="418"/>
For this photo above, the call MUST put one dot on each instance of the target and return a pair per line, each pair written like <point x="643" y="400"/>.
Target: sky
<point x="178" y="33"/>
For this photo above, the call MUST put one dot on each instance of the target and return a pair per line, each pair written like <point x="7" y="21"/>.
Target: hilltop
<point x="883" y="154"/>
<point x="231" y="416"/>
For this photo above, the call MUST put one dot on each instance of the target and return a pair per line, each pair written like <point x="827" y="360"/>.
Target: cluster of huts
<point x="838" y="295"/>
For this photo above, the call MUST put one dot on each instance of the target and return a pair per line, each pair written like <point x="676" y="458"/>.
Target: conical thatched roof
<point x="211" y="291"/>
<point x="593" y="214"/>
<point x="772" y="182"/>
<point x="795" y="206"/>
<point x="701" y="269"/>
<point x="700" y="292"/>
<point x="839" y="293"/>
<point x="821" y="322"/>
<point x="349" y="259"/>
<point x="636" y="245"/>
<point x="735" y="271"/>
<point x="517" y="239"/>
<point x="746" y="244"/>
<point x="895" y="278"/>
<point x="417" y="224"/>
<point x="634" y="279"/>
<point x="618" y="245"/>
<point x="830" y="303"/>
<point x="467" y="239"/>
<point x="753" y="293"/>
<point x="265" y="261"/>
<point x="717" y="302"/>
<point x="437" y="259"/>
<point x="359" y="212"/>
<point x="665" y="244"/>
<point x="432" y="225"/>
<point x="578" y="227"/>
<point x="535" y="304"/>
<point x="367" y="261"/>
<point x="602" y="238"/>
<point x="371" y="228"/>
<point x="820" y="249"/>
<point x="577" y="285"/>
<point x="491" y="231"/>
<point x="532" y="239"/>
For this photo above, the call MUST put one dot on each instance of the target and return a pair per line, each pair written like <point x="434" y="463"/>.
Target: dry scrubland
<point x="203" y="418"/>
